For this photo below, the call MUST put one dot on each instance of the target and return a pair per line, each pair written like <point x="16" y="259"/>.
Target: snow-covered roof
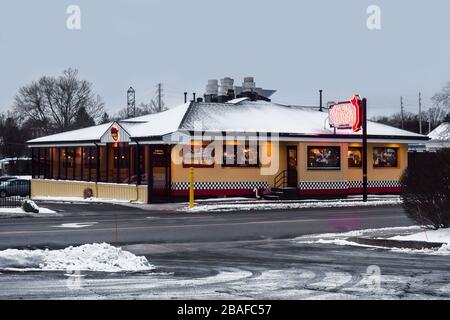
<point x="441" y="133"/>
<point x="156" y="124"/>
<point x="262" y="116"/>
<point x="238" y="115"/>
<point x="85" y="134"/>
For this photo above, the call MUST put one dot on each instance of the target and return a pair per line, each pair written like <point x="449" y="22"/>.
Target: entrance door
<point x="159" y="173"/>
<point x="292" y="176"/>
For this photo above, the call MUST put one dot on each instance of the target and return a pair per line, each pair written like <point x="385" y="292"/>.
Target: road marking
<point x="76" y="225"/>
<point x="177" y="226"/>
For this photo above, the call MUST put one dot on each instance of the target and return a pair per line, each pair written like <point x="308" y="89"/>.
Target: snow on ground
<point x="266" y="205"/>
<point x="19" y="212"/>
<point x="413" y="233"/>
<point x="440" y="236"/>
<point x="89" y="257"/>
<point x="79" y="199"/>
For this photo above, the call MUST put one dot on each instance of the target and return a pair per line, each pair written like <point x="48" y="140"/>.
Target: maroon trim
<point x="349" y="191"/>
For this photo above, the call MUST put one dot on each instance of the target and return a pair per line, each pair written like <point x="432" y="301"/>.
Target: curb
<point x="418" y="245"/>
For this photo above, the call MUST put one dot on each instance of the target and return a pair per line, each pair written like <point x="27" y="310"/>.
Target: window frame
<point x="323" y="147"/>
<point x="396" y="166"/>
<point x="360" y="149"/>
<point x="235" y="163"/>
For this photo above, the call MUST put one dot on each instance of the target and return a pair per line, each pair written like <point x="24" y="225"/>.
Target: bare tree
<point x="442" y="99"/>
<point x="54" y="103"/>
<point x="141" y="110"/>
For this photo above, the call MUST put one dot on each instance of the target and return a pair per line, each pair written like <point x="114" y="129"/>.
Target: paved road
<point x="230" y="255"/>
<point x="124" y="225"/>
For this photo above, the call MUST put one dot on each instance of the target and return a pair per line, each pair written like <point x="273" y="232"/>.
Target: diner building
<point x="239" y="143"/>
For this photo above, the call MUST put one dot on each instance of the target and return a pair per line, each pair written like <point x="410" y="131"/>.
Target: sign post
<point x="352" y="115"/>
<point x="191" y="187"/>
<point x="364" y="151"/>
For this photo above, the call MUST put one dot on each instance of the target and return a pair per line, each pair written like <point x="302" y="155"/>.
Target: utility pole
<point x="159" y="97"/>
<point x="420" y="112"/>
<point x="402" y="111"/>
<point x="320" y="100"/>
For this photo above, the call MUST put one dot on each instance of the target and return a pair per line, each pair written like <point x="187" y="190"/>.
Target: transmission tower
<point x="131" y="102"/>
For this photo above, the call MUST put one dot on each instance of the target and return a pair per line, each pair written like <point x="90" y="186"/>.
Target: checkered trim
<point x="384" y="184"/>
<point x="246" y="185"/>
<point x="317" y="185"/>
<point x="342" y="185"/>
<point x="355" y="184"/>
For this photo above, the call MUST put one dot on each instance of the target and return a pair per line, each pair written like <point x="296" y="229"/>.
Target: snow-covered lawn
<point x="89" y="257"/>
<point x="414" y="233"/>
<point x="267" y="205"/>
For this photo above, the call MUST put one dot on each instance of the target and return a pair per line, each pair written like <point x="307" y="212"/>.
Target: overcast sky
<point x="296" y="47"/>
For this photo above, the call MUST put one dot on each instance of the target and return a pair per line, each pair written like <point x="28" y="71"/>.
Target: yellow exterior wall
<point x="352" y="174"/>
<point x="61" y="188"/>
<point x="233" y="174"/>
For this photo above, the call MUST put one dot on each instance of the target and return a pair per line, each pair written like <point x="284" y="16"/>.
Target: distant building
<point x="439" y="138"/>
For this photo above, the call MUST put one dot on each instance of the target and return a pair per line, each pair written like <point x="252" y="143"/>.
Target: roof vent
<point x="226" y="84"/>
<point x="249" y="84"/>
<point x="212" y="87"/>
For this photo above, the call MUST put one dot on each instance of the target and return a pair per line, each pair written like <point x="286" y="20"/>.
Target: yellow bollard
<point x="191" y="187"/>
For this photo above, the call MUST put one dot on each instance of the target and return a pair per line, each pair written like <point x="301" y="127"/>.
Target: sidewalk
<point x="240" y="204"/>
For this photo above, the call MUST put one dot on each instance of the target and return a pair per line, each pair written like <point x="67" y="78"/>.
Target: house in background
<point x="236" y="143"/>
<point x="439" y="138"/>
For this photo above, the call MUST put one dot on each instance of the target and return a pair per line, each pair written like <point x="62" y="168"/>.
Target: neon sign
<point x="346" y="115"/>
<point x="114" y="133"/>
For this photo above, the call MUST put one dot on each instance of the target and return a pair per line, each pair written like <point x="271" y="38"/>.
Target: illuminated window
<point x="354" y="157"/>
<point x="199" y="155"/>
<point x="242" y="154"/>
<point x="326" y="158"/>
<point x="385" y="157"/>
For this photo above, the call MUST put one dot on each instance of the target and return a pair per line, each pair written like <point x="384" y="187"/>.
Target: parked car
<point x="17" y="187"/>
<point x="7" y="178"/>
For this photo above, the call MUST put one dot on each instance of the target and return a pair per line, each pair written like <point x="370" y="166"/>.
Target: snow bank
<point x="19" y="212"/>
<point x="289" y="205"/>
<point x="89" y="257"/>
<point x="80" y="200"/>
<point x="440" y="236"/>
<point x="413" y="233"/>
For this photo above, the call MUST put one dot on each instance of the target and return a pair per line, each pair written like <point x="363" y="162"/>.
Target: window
<point x="354" y="157"/>
<point x="240" y="154"/>
<point x="385" y="157"/>
<point x="199" y="155"/>
<point x="326" y="158"/>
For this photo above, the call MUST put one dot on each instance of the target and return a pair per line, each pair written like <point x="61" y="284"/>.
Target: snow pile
<point x="289" y="205"/>
<point x="89" y="257"/>
<point x="19" y="212"/>
<point x="413" y="233"/>
<point x="79" y="199"/>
